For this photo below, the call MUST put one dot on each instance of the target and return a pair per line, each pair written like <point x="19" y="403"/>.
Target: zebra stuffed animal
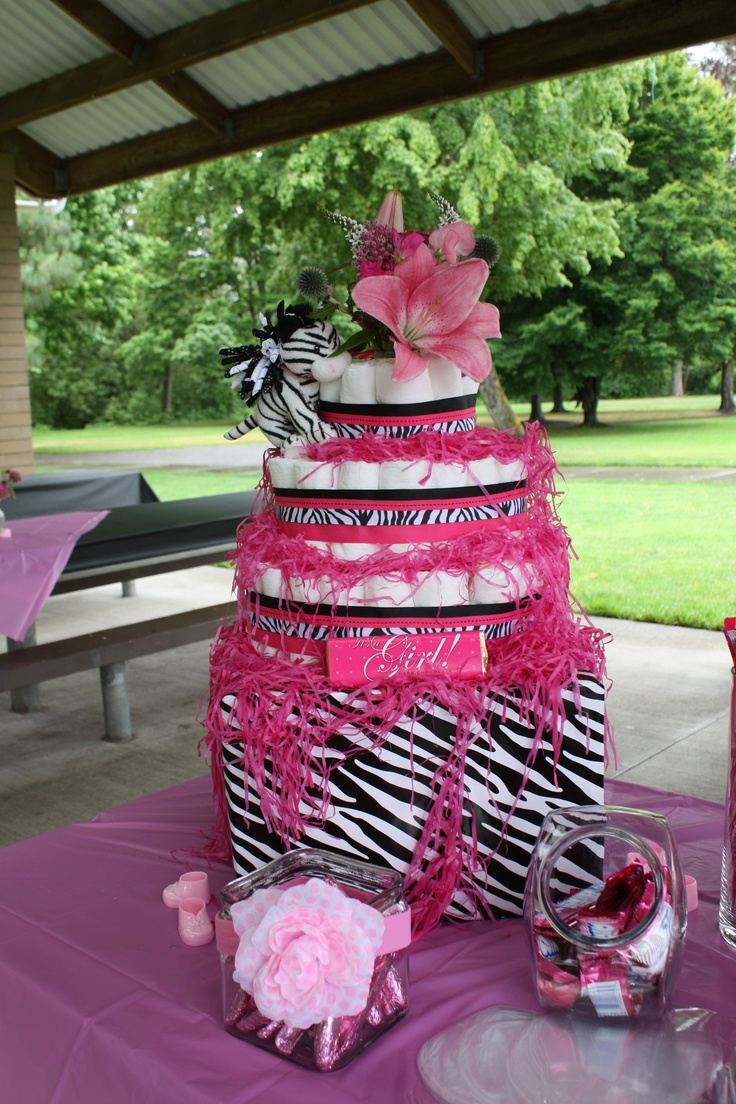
<point x="277" y="376"/>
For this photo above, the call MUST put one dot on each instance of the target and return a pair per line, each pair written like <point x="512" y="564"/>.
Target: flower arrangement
<point x="307" y="952"/>
<point x="418" y="293"/>
<point x="8" y="478"/>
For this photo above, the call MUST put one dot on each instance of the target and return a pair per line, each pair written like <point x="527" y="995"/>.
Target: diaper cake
<point x="407" y="680"/>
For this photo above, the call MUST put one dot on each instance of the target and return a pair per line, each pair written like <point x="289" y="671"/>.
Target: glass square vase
<point x="333" y="1040"/>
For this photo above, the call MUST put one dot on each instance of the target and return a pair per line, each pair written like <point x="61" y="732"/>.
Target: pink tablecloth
<point x="31" y="560"/>
<point x="101" y="1002"/>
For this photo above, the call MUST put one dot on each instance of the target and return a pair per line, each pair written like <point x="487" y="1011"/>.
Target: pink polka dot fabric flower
<point x="306" y="952"/>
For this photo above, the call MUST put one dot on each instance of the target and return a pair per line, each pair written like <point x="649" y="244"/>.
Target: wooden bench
<point x="108" y="650"/>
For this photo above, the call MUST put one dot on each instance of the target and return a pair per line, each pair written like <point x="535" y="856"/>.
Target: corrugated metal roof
<point x="111" y="119"/>
<point x="37" y="39"/>
<point x="164" y="15"/>
<point x="39" y="42"/>
<point x="317" y="54"/>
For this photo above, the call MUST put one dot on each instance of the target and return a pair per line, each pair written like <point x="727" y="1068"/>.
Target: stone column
<point x="16" y="449"/>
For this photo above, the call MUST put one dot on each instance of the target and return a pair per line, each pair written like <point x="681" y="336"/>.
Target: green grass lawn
<point x="170" y="485"/>
<point x="658" y="408"/>
<point x="97" y="438"/>
<point x="647" y="551"/>
<point x="705" y="443"/>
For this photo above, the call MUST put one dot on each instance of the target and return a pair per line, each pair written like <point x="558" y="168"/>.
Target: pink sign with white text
<point x="357" y="660"/>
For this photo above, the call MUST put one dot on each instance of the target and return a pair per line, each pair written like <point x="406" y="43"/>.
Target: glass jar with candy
<point x="314" y="956"/>
<point x="606" y="912"/>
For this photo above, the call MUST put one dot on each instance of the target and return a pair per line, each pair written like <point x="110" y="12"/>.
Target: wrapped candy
<point x="606" y="910"/>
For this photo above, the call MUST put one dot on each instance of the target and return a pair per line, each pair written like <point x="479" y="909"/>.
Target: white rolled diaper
<point x="417" y="390"/>
<point x="499" y="584"/>
<point x="439" y="588"/>
<point x="357" y="475"/>
<point x="282" y="471"/>
<point x="329" y="391"/>
<point x="269" y="582"/>
<point x="447" y="380"/>
<point x="389" y="591"/>
<point x="358" y="384"/>
<point x="447" y="475"/>
<point x="401" y="475"/>
<point x="294" y="590"/>
<point x="317" y="589"/>
<point x="353" y="551"/>
<point x="314" y="475"/>
<point x="489" y="471"/>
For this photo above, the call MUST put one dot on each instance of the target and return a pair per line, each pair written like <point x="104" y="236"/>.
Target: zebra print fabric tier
<point x="381" y="793"/>
<point x="373" y="516"/>
<point x="281" y="619"/>
<point x="396" y="420"/>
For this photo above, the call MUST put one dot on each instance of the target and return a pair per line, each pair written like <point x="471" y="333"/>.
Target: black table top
<point x="133" y="541"/>
<point x="64" y="492"/>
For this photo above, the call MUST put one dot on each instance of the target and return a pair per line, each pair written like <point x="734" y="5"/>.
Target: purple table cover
<point x="31" y="560"/>
<point x="101" y="1003"/>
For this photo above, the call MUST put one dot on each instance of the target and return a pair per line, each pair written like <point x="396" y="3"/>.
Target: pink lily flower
<point x="432" y="310"/>
<point x="391" y="212"/>
<point x="452" y="239"/>
<point x="408" y="243"/>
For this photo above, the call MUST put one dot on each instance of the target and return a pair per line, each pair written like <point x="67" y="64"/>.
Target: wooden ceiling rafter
<point x="587" y="40"/>
<point x="127" y="44"/>
<point x="37" y="169"/>
<point x="105" y="25"/>
<point x="445" y="25"/>
<point x="223" y="32"/>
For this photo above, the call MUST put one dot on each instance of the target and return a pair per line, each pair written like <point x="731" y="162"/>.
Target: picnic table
<point x="126" y="543"/>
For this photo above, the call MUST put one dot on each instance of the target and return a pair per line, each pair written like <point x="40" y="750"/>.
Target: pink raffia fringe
<point x="288" y="715"/>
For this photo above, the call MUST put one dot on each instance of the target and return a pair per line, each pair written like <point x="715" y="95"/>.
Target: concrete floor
<point x="668" y="703"/>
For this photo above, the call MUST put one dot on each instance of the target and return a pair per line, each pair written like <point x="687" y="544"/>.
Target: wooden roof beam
<point x="234" y="28"/>
<point x="37" y="170"/>
<point x="124" y="41"/>
<point x="198" y="102"/>
<point x="445" y="25"/>
<point x="536" y="53"/>
<point x="114" y="32"/>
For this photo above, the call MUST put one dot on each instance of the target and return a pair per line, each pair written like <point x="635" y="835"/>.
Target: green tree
<point x="182" y="285"/>
<point x="76" y="321"/>
<point x="666" y="298"/>
<point x="553" y="333"/>
<point x="226" y="240"/>
<point x="47" y="251"/>
<point x="681" y="246"/>
<point x="504" y="161"/>
<point x="198" y="253"/>
<point x="721" y="64"/>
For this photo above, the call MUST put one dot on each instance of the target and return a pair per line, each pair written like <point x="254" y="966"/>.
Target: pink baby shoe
<point x="193" y="884"/>
<point x="195" y="926"/>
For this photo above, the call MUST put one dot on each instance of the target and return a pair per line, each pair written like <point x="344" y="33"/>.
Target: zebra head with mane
<point x="277" y="378"/>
